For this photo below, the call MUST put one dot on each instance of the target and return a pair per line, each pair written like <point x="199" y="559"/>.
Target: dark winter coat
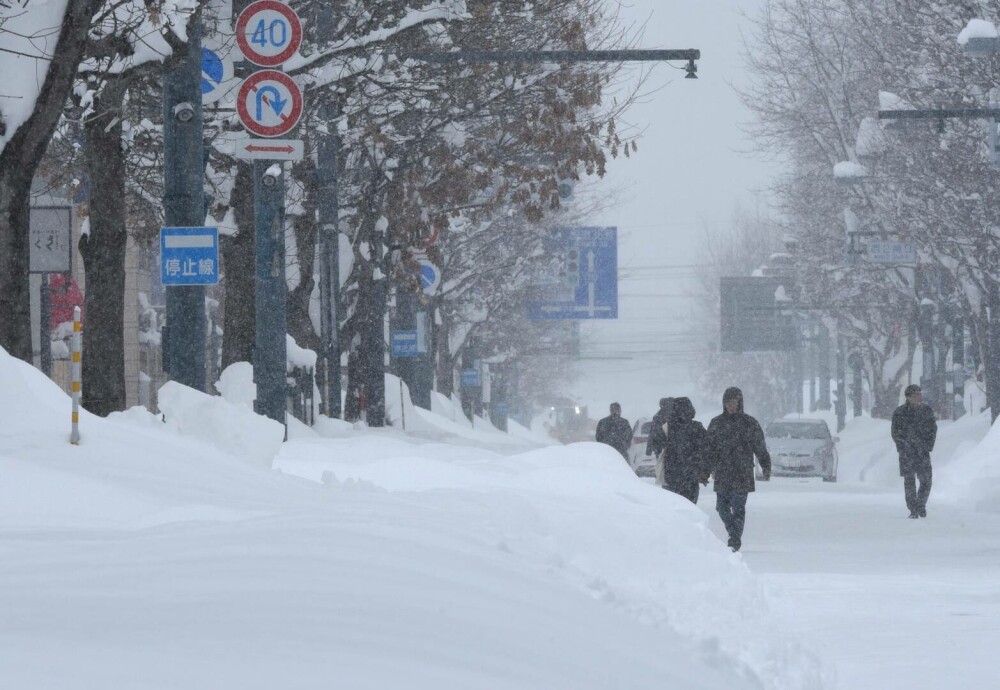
<point x="657" y="437"/>
<point x="682" y="454"/>
<point x="914" y="431"/>
<point x="616" y="432"/>
<point x="732" y="442"/>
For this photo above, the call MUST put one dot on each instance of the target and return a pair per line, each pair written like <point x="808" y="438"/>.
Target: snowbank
<point x="152" y="559"/>
<point x="230" y="427"/>
<point x="974" y="475"/>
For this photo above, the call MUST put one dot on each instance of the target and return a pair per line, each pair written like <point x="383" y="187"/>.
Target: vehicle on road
<point x="802" y="448"/>
<point x="644" y="465"/>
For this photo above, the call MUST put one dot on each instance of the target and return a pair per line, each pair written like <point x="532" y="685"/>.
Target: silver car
<point x="802" y="448"/>
<point x="644" y="465"/>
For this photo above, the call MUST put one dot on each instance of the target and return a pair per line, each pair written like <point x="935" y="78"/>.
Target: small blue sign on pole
<point x="404" y="344"/>
<point x="580" y="280"/>
<point x="470" y="378"/>
<point x="189" y="256"/>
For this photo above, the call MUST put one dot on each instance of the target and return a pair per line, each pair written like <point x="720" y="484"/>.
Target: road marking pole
<point x="74" y="436"/>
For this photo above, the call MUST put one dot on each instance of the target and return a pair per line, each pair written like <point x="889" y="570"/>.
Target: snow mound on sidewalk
<point x="147" y="554"/>
<point x="974" y="476"/>
<point x="579" y="513"/>
<point x="229" y="426"/>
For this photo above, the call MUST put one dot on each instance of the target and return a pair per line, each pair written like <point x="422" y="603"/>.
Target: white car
<point x="802" y="448"/>
<point x="643" y="465"/>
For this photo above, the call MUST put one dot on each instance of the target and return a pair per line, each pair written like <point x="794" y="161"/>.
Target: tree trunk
<point x="443" y="358"/>
<point x="19" y="160"/>
<point x="305" y="227"/>
<point x="238" y="254"/>
<point x="103" y="254"/>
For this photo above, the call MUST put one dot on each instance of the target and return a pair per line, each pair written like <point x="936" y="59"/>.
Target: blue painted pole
<point x="269" y="355"/>
<point x="184" y="206"/>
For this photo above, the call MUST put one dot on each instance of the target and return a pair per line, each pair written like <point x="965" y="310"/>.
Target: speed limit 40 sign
<point x="268" y="32"/>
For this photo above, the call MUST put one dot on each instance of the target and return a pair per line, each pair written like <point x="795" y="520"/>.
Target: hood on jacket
<point x="730" y="394"/>
<point x="682" y="411"/>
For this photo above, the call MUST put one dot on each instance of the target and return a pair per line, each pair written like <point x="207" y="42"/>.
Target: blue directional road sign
<point x="216" y="75"/>
<point x="580" y="280"/>
<point x="430" y="276"/>
<point x="404" y="344"/>
<point x="189" y="256"/>
<point x="470" y="378"/>
<point x="891" y="252"/>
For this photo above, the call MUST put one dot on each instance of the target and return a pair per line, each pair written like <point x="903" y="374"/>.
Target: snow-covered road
<point x="887" y="602"/>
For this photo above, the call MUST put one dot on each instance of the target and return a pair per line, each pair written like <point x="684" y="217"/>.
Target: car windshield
<point x="815" y="430"/>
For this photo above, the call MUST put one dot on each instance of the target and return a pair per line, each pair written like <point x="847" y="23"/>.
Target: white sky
<point x="693" y="168"/>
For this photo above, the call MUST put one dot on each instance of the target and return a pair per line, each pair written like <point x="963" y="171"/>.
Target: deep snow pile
<point x="974" y="475"/>
<point x="145" y="558"/>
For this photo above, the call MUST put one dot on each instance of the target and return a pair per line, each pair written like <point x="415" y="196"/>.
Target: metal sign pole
<point x="184" y="205"/>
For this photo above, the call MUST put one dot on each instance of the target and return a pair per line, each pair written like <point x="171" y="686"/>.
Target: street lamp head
<point x="184" y="112"/>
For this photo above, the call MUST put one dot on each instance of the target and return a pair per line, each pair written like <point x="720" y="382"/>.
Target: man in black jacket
<point x="734" y="438"/>
<point x="682" y="454"/>
<point x="914" y="431"/>
<point x="615" y="431"/>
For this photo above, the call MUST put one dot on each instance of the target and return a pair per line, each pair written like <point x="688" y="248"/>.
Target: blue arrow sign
<point x="216" y="75"/>
<point x="189" y="256"/>
<point x="470" y="378"/>
<point x="580" y="278"/>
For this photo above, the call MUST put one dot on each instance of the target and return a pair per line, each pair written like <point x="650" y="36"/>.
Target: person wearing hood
<point x="682" y="450"/>
<point x="615" y="431"/>
<point x="657" y="434"/>
<point x="733" y="439"/>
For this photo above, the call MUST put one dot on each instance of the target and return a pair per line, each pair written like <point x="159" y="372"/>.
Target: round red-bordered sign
<point x="269" y="103"/>
<point x="268" y="32"/>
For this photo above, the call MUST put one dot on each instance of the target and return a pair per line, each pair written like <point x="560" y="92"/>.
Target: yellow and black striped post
<point x="74" y="436"/>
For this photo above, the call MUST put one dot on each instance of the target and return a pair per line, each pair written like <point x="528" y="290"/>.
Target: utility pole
<point x="184" y="206"/>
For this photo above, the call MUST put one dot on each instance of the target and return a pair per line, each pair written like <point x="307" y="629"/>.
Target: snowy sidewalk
<point x="889" y="603"/>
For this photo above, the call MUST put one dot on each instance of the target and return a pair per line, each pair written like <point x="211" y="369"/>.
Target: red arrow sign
<point x="270" y="150"/>
<point x="279" y="149"/>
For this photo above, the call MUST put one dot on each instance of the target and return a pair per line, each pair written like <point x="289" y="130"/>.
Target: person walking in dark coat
<point x="682" y="452"/>
<point x="733" y="439"/>
<point x="615" y="431"/>
<point x="657" y="436"/>
<point x="914" y="431"/>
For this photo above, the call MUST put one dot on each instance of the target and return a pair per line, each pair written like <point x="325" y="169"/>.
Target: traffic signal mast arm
<point x="564" y="56"/>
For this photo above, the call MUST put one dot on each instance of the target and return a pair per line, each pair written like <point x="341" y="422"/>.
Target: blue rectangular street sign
<point x="891" y="252"/>
<point x="580" y="280"/>
<point x="470" y="378"/>
<point x="189" y="256"/>
<point x="404" y="344"/>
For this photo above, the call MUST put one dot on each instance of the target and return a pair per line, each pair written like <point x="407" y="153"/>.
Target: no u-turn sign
<point x="269" y="103"/>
